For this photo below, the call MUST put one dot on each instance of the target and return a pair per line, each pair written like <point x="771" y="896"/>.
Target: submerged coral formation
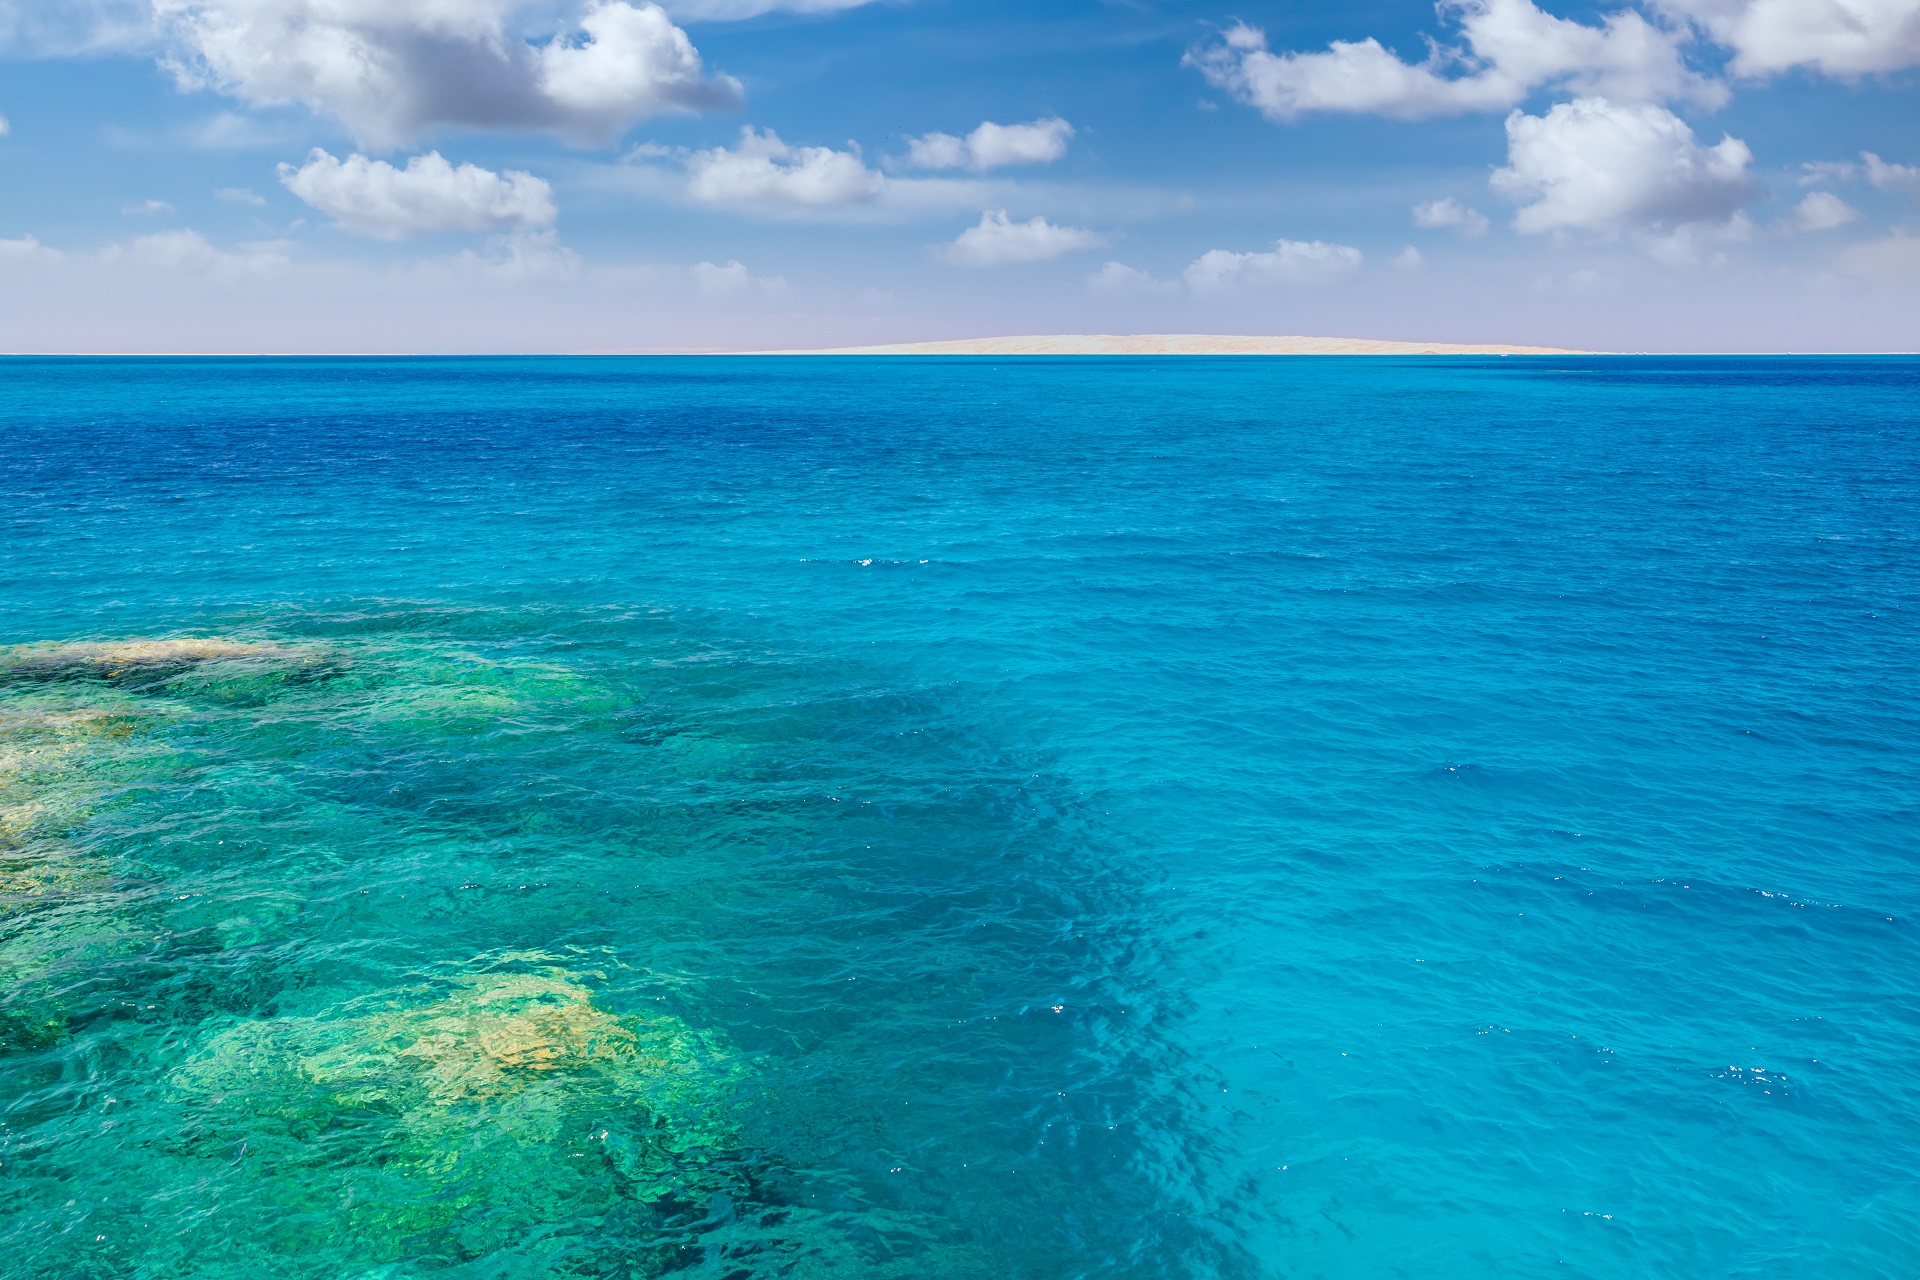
<point x="454" y="1122"/>
<point x="60" y="905"/>
<point x="55" y="660"/>
<point x="265" y="906"/>
<point x="229" y="670"/>
<point x="489" y="1107"/>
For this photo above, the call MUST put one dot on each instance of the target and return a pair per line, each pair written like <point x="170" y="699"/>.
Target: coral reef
<point x="112" y="658"/>
<point x="231" y="872"/>
<point x="453" y="1122"/>
<point x="61" y="911"/>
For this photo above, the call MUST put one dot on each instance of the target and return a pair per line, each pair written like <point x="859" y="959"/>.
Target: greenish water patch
<point x="410" y="939"/>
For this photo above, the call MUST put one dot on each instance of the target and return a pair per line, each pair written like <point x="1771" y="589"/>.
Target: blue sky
<point x="433" y="175"/>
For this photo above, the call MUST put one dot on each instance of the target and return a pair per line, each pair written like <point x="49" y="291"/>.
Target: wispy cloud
<point x="764" y="176"/>
<point x="1290" y="264"/>
<point x="997" y="241"/>
<point x="1449" y="213"/>
<point x="187" y="252"/>
<point x="732" y="280"/>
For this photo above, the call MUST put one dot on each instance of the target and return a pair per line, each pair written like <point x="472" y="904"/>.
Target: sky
<point x="614" y="175"/>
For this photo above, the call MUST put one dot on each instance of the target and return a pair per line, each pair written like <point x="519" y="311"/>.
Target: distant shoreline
<point x="1178" y="344"/>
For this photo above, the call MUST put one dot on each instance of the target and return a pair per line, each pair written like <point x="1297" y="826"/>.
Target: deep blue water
<point x="1137" y="817"/>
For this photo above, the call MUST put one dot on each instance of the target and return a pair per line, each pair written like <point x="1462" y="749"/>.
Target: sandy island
<point x="1177" y="344"/>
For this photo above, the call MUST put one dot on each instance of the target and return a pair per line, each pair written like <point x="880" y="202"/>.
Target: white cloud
<point x="997" y="242"/>
<point x="1844" y="38"/>
<point x="1117" y="279"/>
<point x="239" y="195"/>
<point x="992" y="146"/>
<point x="1889" y="176"/>
<point x="27" y="251"/>
<point x="734" y="10"/>
<point x="763" y="176"/>
<point x="634" y="63"/>
<point x="188" y="253"/>
<point x="1693" y="244"/>
<point x="522" y="255"/>
<point x="733" y="280"/>
<point x="1292" y="262"/>
<point x="1814" y="171"/>
<point x="1437" y="215"/>
<point x="232" y="131"/>
<point x="145" y="208"/>
<point x="1602" y="167"/>
<point x="1512" y="48"/>
<point x="1409" y="259"/>
<point x="390" y="70"/>
<point x="764" y="171"/>
<point x="66" y="28"/>
<point x="1821" y="211"/>
<point x="6" y="127"/>
<point x="372" y="198"/>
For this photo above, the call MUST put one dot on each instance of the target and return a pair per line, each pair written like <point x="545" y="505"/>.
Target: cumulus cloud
<point x="1409" y="259"/>
<point x="1511" y="48"/>
<point x="373" y="198"/>
<point x="1845" y="38"/>
<point x="1291" y="263"/>
<point x="996" y="241"/>
<point x="239" y="195"/>
<point x="765" y="176"/>
<point x="764" y="171"/>
<point x="1603" y="167"/>
<point x="992" y="146"/>
<point x="1436" y="215"/>
<point x="6" y="127"/>
<point x="145" y="209"/>
<point x="1820" y="211"/>
<point x="390" y="70"/>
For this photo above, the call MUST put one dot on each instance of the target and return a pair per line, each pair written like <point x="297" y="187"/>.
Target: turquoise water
<point x="739" y="818"/>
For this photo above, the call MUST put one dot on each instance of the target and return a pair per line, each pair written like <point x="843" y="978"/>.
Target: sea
<point x="729" y="818"/>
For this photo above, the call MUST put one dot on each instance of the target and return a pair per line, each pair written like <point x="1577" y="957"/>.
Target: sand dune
<point x="1178" y="344"/>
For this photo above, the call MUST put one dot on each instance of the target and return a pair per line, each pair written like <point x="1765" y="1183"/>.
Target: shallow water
<point x="957" y="818"/>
